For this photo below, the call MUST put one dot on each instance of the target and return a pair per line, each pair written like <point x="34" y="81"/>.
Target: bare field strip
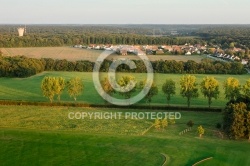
<point x="74" y="54"/>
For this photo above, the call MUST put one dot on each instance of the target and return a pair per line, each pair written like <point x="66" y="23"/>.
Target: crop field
<point x="74" y="54"/>
<point x="28" y="89"/>
<point x="32" y="135"/>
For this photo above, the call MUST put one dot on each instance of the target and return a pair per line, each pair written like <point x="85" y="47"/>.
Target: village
<point x="216" y="53"/>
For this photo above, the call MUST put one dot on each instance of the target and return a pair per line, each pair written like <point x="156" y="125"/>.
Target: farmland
<point x="73" y="54"/>
<point x="28" y="89"/>
<point x="45" y="136"/>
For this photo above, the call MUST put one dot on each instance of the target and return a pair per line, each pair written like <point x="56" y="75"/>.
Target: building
<point x="21" y="31"/>
<point x="123" y="52"/>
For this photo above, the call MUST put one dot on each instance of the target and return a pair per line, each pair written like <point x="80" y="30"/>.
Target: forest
<point x="61" y="35"/>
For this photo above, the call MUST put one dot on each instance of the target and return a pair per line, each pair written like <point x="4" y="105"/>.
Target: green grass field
<point x="32" y="135"/>
<point x="28" y="89"/>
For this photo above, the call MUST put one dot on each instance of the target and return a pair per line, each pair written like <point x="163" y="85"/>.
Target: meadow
<point x="28" y="89"/>
<point x="31" y="135"/>
<point x="74" y="54"/>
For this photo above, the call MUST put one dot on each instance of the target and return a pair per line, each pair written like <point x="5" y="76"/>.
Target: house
<point x="188" y="53"/>
<point x="236" y="49"/>
<point x="168" y="48"/>
<point x="77" y="46"/>
<point x="244" y="62"/>
<point x="159" y="52"/>
<point x="123" y="52"/>
<point x="140" y="53"/>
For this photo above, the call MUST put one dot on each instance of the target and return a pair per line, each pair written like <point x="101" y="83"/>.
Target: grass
<point x="74" y="54"/>
<point x="28" y="89"/>
<point x="40" y="136"/>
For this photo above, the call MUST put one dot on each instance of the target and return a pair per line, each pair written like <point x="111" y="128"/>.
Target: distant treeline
<point x="43" y="40"/>
<point x="223" y="35"/>
<point x="60" y="35"/>
<point x="21" y="66"/>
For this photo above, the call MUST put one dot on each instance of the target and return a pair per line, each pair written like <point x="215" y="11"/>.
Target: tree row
<point x="21" y="66"/>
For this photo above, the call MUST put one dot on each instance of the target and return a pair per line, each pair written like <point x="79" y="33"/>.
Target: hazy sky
<point x="124" y="12"/>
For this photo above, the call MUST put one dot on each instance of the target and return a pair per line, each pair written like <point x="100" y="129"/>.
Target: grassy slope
<point x="32" y="135"/>
<point x="29" y="88"/>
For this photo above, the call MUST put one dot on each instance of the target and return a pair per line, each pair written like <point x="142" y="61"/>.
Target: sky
<point x="124" y="12"/>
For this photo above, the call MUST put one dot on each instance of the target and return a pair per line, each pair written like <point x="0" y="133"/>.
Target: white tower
<point x="21" y="31"/>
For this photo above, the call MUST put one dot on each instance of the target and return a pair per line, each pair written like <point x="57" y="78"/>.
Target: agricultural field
<point x="73" y="54"/>
<point x="28" y="89"/>
<point x="32" y="135"/>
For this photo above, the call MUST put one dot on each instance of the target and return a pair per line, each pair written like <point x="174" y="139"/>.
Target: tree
<point x="246" y="88"/>
<point x="150" y="91"/>
<point x="231" y="45"/>
<point x="168" y="89"/>
<point x="172" y="121"/>
<point x="48" y="87"/>
<point x="153" y="91"/>
<point x="164" y="123"/>
<point x="235" y="120"/>
<point x="248" y="124"/>
<point x="127" y="84"/>
<point x="210" y="88"/>
<point x="59" y="87"/>
<point x="157" y="124"/>
<point x="237" y="128"/>
<point x="189" y="88"/>
<point x="190" y="123"/>
<point x="106" y="86"/>
<point x="232" y="88"/>
<point x="75" y="87"/>
<point x="247" y="52"/>
<point x="200" y="131"/>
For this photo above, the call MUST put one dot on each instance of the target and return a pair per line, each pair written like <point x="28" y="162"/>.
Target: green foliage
<point x="232" y="88"/>
<point x="59" y="87"/>
<point x="164" y="123"/>
<point x="21" y="66"/>
<point x="52" y="86"/>
<point x="246" y="88"/>
<point x="235" y="123"/>
<point x="106" y="86"/>
<point x="231" y="45"/>
<point x="75" y="87"/>
<point x="48" y="87"/>
<point x="248" y="124"/>
<point x="200" y="131"/>
<point x="128" y="86"/>
<point x="169" y="89"/>
<point x="189" y="88"/>
<point x="172" y="121"/>
<point x="157" y="124"/>
<point x="152" y="91"/>
<point x="190" y="123"/>
<point x="218" y="125"/>
<point x="210" y="89"/>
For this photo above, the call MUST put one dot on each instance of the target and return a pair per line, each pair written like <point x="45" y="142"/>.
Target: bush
<point x="190" y="123"/>
<point x="218" y="125"/>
